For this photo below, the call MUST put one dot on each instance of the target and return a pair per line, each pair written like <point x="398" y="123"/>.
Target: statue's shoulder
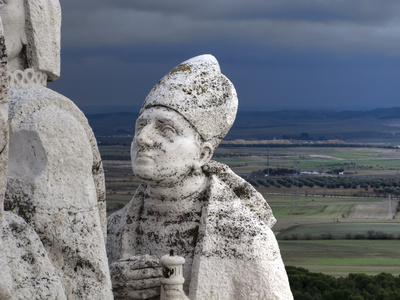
<point x="237" y="216"/>
<point x="122" y="225"/>
<point x="225" y="182"/>
<point x="132" y="208"/>
<point x="30" y="103"/>
<point x="32" y="98"/>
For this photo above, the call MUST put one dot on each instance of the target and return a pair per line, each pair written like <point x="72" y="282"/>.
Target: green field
<point x="320" y="211"/>
<point x="357" y="160"/>
<point x="341" y="257"/>
<point x="311" y="213"/>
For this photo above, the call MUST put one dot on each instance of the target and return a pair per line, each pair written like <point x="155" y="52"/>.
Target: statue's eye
<point x="140" y="125"/>
<point x="167" y="129"/>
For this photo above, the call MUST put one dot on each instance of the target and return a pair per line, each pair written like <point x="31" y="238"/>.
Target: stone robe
<point x="235" y="255"/>
<point x="27" y="270"/>
<point x="56" y="184"/>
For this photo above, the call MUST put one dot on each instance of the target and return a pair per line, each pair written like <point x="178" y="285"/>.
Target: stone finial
<point x="172" y="283"/>
<point x="196" y="88"/>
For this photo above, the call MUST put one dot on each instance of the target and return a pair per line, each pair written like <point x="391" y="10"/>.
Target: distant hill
<point x="120" y="123"/>
<point x="382" y="123"/>
<point x="257" y="119"/>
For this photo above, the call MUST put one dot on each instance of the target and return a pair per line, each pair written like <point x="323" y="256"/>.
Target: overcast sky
<point x="280" y="54"/>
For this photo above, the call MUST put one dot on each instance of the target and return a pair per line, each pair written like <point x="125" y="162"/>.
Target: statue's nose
<point x="146" y="135"/>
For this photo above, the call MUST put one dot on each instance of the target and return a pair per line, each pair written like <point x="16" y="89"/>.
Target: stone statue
<point x="26" y="270"/>
<point x="5" y="280"/>
<point x="55" y="175"/>
<point x="188" y="203"/>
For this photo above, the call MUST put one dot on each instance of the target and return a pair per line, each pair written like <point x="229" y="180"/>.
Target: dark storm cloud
<point x="278" y="53"/>
<point x="351" y="10"/>
<point x="360" y="25"/>
<point x="291" y="10"/>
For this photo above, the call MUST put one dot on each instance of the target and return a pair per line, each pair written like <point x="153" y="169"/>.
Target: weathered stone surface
<point x="51" y="185"/>
<point x="199" y="92"/>
<point x="129" y="274"/>
<point x="199" y="208"/>
<point x="5" y="275"/>
<point x="55" y="195"/>
<point x="43" y="36"/>
<point x="33" y="25"/>
<point x="4" y="89"/>
<point x="31" y="274"/>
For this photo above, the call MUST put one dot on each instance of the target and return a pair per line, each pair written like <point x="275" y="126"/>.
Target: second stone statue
<point x="198" y="207"/>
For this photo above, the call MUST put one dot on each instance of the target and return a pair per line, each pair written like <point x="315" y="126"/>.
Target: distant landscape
<point x="374" y="126"/>
<point x="331" y="178"/>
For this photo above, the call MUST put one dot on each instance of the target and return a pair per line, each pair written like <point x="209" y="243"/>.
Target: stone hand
<point x="137" y="277"/>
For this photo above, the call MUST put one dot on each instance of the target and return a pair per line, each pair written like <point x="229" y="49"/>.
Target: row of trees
<point x="306" y="285"/>
<point x="369" y="235"/>
<point x="116" y="157"/>
<point x="378" y="185"/>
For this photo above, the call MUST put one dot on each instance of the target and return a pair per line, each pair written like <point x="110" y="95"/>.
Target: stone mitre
<point x="200" y="93"/>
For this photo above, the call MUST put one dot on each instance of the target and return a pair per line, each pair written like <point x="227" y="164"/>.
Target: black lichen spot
<point x="167" y="272"/>
<point x="194" y="233"/>
<point x="241" y="192"/>
<point x="28" y="258"/>
<point x="84" y="264"/>
<point x="129" y="220"/>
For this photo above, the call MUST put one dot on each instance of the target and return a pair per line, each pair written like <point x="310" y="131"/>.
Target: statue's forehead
<point x="165" y="115"/>
<point x="162" y="113"/>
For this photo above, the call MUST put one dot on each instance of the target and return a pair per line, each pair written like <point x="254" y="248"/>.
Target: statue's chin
<point x="156" y="178"/>
<point x="160" y="178"/>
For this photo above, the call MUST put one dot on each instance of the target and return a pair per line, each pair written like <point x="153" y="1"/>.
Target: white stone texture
<point x="235" y="252"/>
<point x="55" y="247"/>
<point x="27" y="270"/>
<point x="199" y="92"/>
<point x="28" y="76"/>
<point x="5" y="275"/>
<point x="13" y="21"/>
<point x="32" y="30"/>
<point x="172" y="281"/>
<point x="4" y="89"/>
<point x="43" y="36"/>
<point x="56" y="184"/>
<point x="128" y="277"/>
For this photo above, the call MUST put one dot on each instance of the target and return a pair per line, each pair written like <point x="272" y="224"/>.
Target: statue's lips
<point x="142" y="155"/>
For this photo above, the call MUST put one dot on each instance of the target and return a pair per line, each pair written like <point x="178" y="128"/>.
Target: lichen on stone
<point x="181" y="68"/>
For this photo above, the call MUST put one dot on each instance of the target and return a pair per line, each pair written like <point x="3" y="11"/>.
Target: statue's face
<point x="166" y="148"/>
<point x="12" y="13"/>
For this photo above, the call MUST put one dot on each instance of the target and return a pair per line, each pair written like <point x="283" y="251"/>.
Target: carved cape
<point x="236" y="255"/>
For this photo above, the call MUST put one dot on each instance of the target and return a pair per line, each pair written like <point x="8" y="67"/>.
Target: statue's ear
<point x="207" y="151"/>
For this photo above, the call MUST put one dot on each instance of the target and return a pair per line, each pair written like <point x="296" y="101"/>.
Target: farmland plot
<point x="375" y="210"/>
